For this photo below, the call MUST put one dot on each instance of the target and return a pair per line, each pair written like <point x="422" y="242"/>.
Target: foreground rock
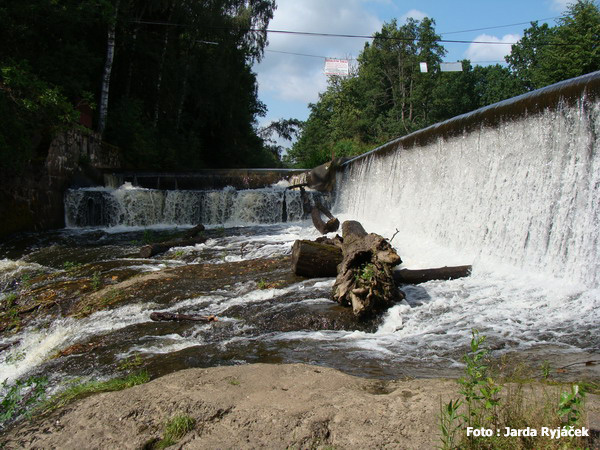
<point x="252" y="406"/>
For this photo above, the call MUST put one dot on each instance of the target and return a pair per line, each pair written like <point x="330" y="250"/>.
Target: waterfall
<point x="131" y="206"/>
<point x="520" y="186"/>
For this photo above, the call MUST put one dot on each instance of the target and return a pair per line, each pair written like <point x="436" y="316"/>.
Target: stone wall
<point x="33" y="201"/>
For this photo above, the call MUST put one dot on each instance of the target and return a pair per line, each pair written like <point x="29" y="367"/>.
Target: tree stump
<point x="365" y="278"/>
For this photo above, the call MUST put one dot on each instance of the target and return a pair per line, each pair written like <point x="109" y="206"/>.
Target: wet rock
<point x="311" y="317"/>
<point x="77" y="349"/>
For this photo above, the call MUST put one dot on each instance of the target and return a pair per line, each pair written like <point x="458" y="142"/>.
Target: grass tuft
<point x="176" y="428"/>
<point x="81" y="390"/>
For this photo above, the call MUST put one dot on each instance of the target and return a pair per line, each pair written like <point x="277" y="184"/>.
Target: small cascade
<point x="131" y="206"/>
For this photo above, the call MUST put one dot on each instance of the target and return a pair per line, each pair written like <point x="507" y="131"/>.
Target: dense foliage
<point x="180" y="92"/>
<point x="387" y="96"/>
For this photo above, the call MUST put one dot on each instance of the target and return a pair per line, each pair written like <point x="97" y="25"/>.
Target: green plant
<point x="178" y="254"/>
<point x="570" y="406"/>
<point x="450" y="423"/>
<point x="130" y="363"/>
<point x="11" y="311"/>
<point x="175" y="429"/>
<point x="78" y="390"/>
<point x="96" y="281"/>
<point x="365" y="274"/>
<point x="21" y="397"/>
<point x="26" y="280"/>
<point x="71" y="266"/>
<point x="262" y="284"/>
<point x="482" y="408"/>
<point x="546" y="369"/>
<point x="9" y="301"/>
<point x="478" y="389"/>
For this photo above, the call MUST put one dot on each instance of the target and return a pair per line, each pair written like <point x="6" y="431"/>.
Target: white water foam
<point x="525" y="193"/>
<point x="36" y="346"/>
<point x="137" y="207"/>
<point x="521" y="202"/>
<point x="11" y="270"/>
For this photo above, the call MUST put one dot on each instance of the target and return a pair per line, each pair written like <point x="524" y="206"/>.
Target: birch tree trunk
<point x="110" y="54"/>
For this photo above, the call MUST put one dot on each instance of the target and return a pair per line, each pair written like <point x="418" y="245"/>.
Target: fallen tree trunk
<point x="330" y="226"/>
<point x="365" y="280"/>
<point x="154" y="249"/>
<point x="315" y="259"/>
<point x="167" y="316"/>
<point x="407" y="276"/>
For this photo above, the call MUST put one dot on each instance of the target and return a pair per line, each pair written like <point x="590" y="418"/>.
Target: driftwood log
<point x="365" y="276"/>
<point x="407" y="276"/>
<point x="167" y="316"/>
<point x="154" y="249"/>
<point x="315" y="259"/>
<point x="330" y="226"/>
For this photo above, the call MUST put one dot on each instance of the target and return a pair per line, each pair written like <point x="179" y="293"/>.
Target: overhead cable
<point x="363" y="36"/>
<point x="500" y="26"/>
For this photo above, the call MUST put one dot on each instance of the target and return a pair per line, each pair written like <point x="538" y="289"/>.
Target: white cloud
<point x="491" y="52"/>
<point x="560" y="5"/>
<point x="300" y="78"/>
<point x="292" y="83"/>
<point x="414" y="14"/>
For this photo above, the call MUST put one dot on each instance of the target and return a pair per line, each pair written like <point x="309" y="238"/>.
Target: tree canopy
<point x="387" y="96"/>
<point x="182" y="92"/>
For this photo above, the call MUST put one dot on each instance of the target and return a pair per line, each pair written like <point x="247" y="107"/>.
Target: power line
<point x="403" y="39"/>
<point x="297" y="54"/>
<point x="499" y="26"/>
<point x="362" y="36"/>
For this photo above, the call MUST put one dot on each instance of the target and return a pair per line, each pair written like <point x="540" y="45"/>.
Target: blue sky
<point x="287" y="83"/>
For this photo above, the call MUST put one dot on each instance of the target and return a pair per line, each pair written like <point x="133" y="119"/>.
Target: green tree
<point x="495" y="83"/>
<point x="182" y="90"/>
<point x="387" y="97"/>
<point x="546" y="55"/>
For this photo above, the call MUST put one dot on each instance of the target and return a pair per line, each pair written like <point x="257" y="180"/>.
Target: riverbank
<point x="258" y="406"/>
<point x="251" y="406"/>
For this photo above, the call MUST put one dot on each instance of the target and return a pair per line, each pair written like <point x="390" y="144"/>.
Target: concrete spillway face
<point x="517" y="182"/>
<point x="133" y="206"/>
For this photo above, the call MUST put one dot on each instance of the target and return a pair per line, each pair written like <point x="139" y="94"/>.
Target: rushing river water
<point x="519" y="201"/>
<point x="540" y="318"/>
